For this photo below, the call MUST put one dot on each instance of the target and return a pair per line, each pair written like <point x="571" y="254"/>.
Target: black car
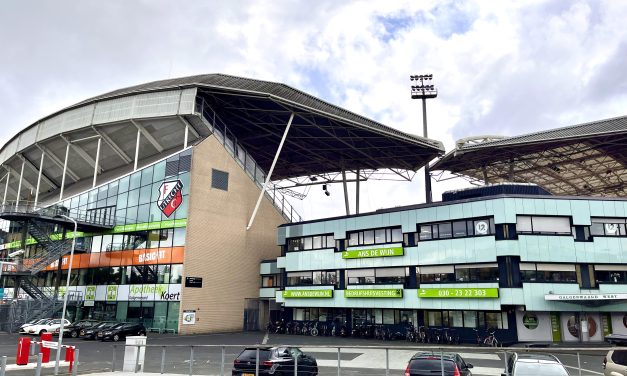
<point x="74" y="329"/>
<point x="274" y="361"/>
<point x="91" y="332"/>
<point x="428" y="363"/>
<point x="122" y="330"/>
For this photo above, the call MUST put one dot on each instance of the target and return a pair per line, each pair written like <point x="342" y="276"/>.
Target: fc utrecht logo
<point x="170" y="196"/>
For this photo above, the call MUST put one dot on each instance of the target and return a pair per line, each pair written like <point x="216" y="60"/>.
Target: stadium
<point x="180" y="193"/>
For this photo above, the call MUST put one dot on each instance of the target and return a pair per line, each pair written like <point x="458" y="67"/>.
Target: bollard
<point x="579" y="363"/>
<point x="257" y="362"/>
<point x="45" y="351"/>
<point x="295" y="365"/>
<point x="338" y="362"/>
<point x="23" y="346"/>
<point x="3" y="365"/>
<point x="75" y="370"/>
<point x="191" y="360"/>
<point x="69" y="356"/>
<point x="39" y="361"/>
<point x="387" y="362"/>
<point x="162" y="359"/>
<point x="113" y="360"/>
<point x="222" y="362"/>
<point x="505" y="361"/>
<point x="32" y="348"/>
<point x="442" y="360"/>
<point x="136" y="360"/>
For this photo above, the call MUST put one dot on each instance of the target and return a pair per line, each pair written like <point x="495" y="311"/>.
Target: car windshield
<point x="251" y="355"/>
<point x="535" y="369"/>
<point x="118" y="326"/>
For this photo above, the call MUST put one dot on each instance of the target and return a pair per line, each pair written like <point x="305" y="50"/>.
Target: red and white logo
<point x="170" y="196"/>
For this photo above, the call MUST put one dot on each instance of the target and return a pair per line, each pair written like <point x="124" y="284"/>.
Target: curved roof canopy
<point x="253" y="114"/>
<point x="586" y="159"/>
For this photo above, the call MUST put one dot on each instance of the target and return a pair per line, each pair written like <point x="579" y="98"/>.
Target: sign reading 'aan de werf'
<point x="170" y="196"/>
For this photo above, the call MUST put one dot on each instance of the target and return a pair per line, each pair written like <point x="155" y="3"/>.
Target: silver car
<point x="615" y="363"/>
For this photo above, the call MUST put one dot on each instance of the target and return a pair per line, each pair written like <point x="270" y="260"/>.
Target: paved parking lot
<point x="96" y="356"/>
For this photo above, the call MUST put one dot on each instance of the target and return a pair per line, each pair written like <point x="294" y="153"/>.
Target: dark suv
<point x="426" y="363"/>
<point x="92" y="331"/>
<point x="274" y="361"/>
<point x="121" y="331"/>
<point x="74" y="329"/>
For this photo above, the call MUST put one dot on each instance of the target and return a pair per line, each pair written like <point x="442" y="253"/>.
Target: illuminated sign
<point x="373" y="293"/>
<point x="291" y="294"/>
<point x="462" y="292"/>
<point x="373" y="252"/>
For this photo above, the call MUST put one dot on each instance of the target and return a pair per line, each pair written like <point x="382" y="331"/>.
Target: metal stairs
<point x="55" y="248"/>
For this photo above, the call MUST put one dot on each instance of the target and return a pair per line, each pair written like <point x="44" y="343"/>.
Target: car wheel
<point x="116" y="338"/>
<point x="142" y="333"/>
<point x="42" y="331"/>
<point x="73" y="334"/>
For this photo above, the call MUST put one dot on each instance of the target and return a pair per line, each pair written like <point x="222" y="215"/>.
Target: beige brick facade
<point x="218" y="247"/>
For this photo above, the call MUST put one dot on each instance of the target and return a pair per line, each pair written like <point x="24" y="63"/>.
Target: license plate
<point x="248" y="374"/>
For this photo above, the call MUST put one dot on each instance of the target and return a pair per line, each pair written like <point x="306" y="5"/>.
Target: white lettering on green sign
<point x="373" y="293"/>
<point x="293" y="294"/>
<point x="374" y="252"/>
<point x="462" y="292"/>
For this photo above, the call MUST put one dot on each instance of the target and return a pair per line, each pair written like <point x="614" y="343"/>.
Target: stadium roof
<point x="586" y="159"/>
<point x="253" y="114"/>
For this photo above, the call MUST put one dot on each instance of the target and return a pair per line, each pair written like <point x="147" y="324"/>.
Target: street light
<point x="67" y="289"/>
<point x="422" y="89"/>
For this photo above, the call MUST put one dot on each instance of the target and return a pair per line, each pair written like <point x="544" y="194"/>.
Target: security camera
<point x="16" y="253"/>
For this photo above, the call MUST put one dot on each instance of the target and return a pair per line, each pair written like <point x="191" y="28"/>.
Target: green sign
<point x="373" y="293"/>
<point x="606" y="323"/>
<point x="555" y="327"/>
<point x="292" y="294"/>
<point x="530" y="321"/>
<point x="373" y="252"/>
<point x="90" y="292"/>
<point x="461" y="292"/>
<point x="112" y="293"/>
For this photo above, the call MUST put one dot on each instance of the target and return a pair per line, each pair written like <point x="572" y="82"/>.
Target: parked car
<point x="429" y="363"/>
<point x="73" y="330"/>
<point x="49" y="326"/>
<point x="92" y="332"/>
<point x="24" y="328"/>
<point x="615" y="363"/>
<point x="274" y="361"/>
<point x="120" y="332"/>
<point x="534" y="365"/>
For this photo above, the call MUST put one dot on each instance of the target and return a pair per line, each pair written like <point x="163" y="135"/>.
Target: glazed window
<point x="376" y="236"/>
<point x="310" y="242"/>
<point x="610" y="273"/>
<point x="548" y="272"/>
<point x="436" y="274"/>
<point x="526" y="224"/>
<point x="608" y="227"/>
<point x="477" y="273"/>
<point x="309" y="278"/>
<point x="456" y="229"/>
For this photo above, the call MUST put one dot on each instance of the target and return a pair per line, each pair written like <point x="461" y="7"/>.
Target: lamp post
<point x="422" y="89"/>
<point x="67" y="288"/>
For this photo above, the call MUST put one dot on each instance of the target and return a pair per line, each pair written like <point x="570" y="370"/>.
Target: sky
<point x="501" y="67"/>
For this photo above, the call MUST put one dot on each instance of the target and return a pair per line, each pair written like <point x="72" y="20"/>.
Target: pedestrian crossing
<point x="396" y="359"/>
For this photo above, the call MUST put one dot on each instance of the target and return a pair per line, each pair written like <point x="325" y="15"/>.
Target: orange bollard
<point x="23" y="350"/>
<point x="69" y="356"/>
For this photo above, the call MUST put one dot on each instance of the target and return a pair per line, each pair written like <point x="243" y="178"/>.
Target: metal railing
<point x="382" y="360"/>
<point x="222" y="133"/>
<point x="84" y="216"/>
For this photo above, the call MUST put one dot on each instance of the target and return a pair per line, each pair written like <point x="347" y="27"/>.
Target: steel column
<point x="6" y="189"/>
<point x="137" y="149"/>
<point x="357" y="194"/>
<point x="348" y="210"/>
<point x="41" y="167"/>
<point x="19" y="185"/>
<point x="265" y="184"/>
<point x="67" y="153"/>
<point x="96" y="162"/>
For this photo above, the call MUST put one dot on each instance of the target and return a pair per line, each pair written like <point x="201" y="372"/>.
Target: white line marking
<point x="584" y="370"/>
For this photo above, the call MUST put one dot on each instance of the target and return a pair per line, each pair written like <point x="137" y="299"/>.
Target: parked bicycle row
<point x="407" y="332"/>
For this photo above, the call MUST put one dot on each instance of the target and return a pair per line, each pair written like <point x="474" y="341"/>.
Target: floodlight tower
<point x="422" y="88"/>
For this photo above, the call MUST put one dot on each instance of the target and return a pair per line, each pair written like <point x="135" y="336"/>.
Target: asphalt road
<point x="96" y="356"/>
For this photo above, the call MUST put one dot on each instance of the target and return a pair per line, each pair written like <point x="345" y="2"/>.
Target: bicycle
<point x="490" y="339"/>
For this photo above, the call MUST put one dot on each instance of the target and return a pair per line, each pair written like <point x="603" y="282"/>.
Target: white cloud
<point x="502" y="67"/>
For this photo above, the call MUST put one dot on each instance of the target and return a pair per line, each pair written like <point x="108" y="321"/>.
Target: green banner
<point x="373" y="293"/>
<point x="90" y="292"/>
<point x="295" y="294"/>
<point x="606" y="323"/>
<point x="373" y="252"/>
<point x="555" y="327"/>
<point x="461" y="292"/>
<point x="112" y="293"/>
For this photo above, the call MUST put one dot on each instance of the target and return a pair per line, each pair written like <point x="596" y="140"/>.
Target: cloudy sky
<point x="502" y="67"/>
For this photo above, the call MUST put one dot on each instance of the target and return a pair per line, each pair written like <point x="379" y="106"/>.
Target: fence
<point x="340" y="360"/>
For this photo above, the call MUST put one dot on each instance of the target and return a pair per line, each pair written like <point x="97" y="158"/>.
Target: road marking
<point x="265" y="339"/>
<point x="584" y="370"/>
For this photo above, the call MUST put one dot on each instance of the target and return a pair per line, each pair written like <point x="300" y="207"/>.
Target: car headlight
<point x="107" y="333"/>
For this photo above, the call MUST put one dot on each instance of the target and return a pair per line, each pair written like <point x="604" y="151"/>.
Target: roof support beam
<point x="44" y="177"/>
<point x="105" y="137"/>
<point x="269" y="176"/>
<point x="81" y="152"/>
<point x="17" y="174"/>
<point x="148" y="136"/>
<point x="58" y="162"/>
